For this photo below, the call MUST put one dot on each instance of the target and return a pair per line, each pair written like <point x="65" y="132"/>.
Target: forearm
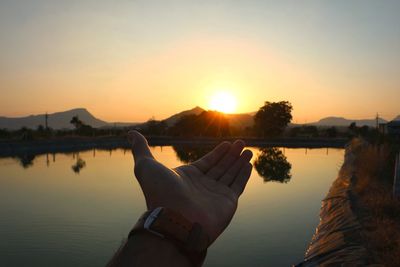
<point x="147" y="250"/>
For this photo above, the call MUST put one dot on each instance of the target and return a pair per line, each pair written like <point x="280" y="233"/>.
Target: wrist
<point x="146" y="249"/>
<point x="156" y="251"/>
<point x="166" y="224"/>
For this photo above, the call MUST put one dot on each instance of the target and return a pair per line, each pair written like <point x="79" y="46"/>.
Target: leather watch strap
<point x="187" y="236"/>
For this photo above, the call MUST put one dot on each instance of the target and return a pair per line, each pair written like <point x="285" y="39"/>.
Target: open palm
<point x="205" y="191"/>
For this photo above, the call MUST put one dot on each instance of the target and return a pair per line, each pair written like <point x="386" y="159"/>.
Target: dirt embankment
<point x="338" y="240"/>
<point x="360" y="217"/>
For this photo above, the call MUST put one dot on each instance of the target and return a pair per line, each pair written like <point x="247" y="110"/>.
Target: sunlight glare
<point x="223" y="101"/>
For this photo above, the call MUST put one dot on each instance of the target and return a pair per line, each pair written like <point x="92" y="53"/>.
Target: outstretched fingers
<point x="219" y="169"/>
<point x="241" y="179"/>
<point x="235" y="168"/>
<point x="140" y="147"/>
<point x="211" y="159"/>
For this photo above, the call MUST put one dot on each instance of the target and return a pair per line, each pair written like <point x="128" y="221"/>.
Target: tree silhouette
<point x="76" y="122"/>
<point x="154" y="127"/>
<point x="26" y="160"/>
<point x="332" y="132"/>
<point x="304" y="131"/>
<point x="81" y="128"/>
<point x="190" y="153"/>
<point x="25" y="133"/>
<point x="272" y="165"/>
<point x="272" y="118"/>
<point x="79" y="165"/>
<point x="207" y="123"/>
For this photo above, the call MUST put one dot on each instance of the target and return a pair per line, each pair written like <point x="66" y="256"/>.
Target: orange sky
<point x="132" y="61"/>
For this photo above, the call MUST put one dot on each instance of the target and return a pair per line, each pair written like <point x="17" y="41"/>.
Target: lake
<point x="75" y="209"/>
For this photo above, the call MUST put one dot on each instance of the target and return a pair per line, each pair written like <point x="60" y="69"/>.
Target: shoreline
<point x="337" y="240"/>
<point x="71" y="144"/>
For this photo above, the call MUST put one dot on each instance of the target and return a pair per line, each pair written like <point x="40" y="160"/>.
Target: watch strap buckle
<point x="150" y="220"/>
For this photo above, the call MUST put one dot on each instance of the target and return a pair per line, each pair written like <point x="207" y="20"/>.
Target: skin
<point x="205" y="191"/>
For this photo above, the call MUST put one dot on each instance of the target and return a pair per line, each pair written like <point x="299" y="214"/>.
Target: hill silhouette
<point x="58" y="120"/>
<point x="238" y="120"/>
<point x="174" y="118"/>
<point x="340" y="121"/>
<point x="61" y="120"/>
<point x="241" y="120"/>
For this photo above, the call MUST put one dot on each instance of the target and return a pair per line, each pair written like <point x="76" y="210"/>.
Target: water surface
<point x="75" y="209"/>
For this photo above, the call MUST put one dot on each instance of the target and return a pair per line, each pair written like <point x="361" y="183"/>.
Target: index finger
<point x="206" y="162"/>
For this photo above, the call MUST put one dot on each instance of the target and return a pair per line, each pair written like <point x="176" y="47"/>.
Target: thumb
<point x="140" y="147"/>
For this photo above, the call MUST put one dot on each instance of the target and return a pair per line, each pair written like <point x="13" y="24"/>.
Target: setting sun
<point x="223" y="101"/>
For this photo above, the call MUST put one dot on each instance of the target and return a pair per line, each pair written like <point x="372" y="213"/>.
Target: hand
<point x="205" y="191"/>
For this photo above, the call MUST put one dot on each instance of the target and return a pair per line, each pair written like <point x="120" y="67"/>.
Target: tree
<point x="79" y="165"/>
<point x="272" y="118"/>
<point x="154" y="127"/>
<point x="25" y="133"/>
<point x="363" y="131"/>
<point x="358" y="131"/>
<point x="26" y="160"/>
<point x="207" y="123"/>
<point x="4" y="133"/>
<point x="76" y="122"/>
<point x="353" y="126"/>
<point x="81" y="128"/>
<point x="272" y="165"/>
<point x="40" y="129"/>
<point x="190" y="153"/>
<point x="331" y="132"/>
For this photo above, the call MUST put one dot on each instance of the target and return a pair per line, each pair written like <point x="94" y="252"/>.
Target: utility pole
<point x="46" y="118"/>
<point x="377" y="121"/>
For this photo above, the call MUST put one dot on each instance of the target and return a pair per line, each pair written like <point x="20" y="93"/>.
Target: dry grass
<point x="378" y="211"/>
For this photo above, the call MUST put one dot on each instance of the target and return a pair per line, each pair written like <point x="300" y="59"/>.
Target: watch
<point x="187" y="236"/>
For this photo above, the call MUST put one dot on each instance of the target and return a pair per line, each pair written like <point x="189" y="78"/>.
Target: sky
<point x="133" y="60"/>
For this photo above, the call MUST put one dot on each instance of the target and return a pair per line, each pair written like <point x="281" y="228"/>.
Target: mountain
<point x="340" y="121"/>
<point x="58" y="120"/>
<point x="242" y="120"/>
<point x="236" y="120"/>
<point x="397" y="118"/>
<point x="174" y="118"/>
<point x="61" y="120"/>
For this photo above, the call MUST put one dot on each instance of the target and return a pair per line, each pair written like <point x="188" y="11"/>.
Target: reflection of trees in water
<point x="26" y="160"/>
<point x="79" y="165"/>
<point x="190" y="153"/>
<point x="272" y="165"/>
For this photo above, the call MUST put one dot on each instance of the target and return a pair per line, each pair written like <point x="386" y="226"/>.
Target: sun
<point x="223" y="101"/>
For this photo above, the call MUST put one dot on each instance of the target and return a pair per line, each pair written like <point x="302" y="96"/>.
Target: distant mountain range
<point x="340" y="121"/>
<point x="61" y="120"/>
<point x="58" y="120"/>
<point x="236" y="120"/>
<point x="174" y="118"/>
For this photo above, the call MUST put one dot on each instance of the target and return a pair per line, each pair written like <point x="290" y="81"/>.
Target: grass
<point x="378" y="211"/>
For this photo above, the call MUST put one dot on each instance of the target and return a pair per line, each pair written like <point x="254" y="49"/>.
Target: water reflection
<point x="79" y="165"/>
<point x="272" y="165"/>
<point x="26" y="160"/>
<point x="61" y="217"/>
<point x="190" y="153"/>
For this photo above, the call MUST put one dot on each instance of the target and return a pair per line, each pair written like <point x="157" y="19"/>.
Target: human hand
<point x="205" y="191"/>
